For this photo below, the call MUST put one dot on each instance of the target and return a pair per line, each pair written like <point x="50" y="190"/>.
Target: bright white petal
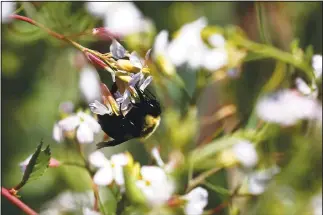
<point x="84" y="134"/>
<point x="302" y="86"/>
<point x="99" y="108"/>
<point x="217" y="40"/>
<point x="197" y="199"/>
<point x="88" y="211"/>
<point x="161" y="42"/>
<point x="7" y="8"/>
<point x="246" y="153"/>
<point x="99" y="9"/>
<point x="287" y="107"/>
<point x="119" y="159"/>
<point x="57" y="133"/>
<point x="103" y="176"/>
<point x="90" y="121"/>
<point x="215" y="59"/>
<point x="90" y="84"/>
<point x="317" y="65"/>
<point x="317" y="204"/>
<point x="145" y="84"/>
<point x="118" y="175"/>
<point x="153" y="173"/>
<point x="98" y="159"/>
<point x="156" y="155"/>
<point x="135" y="60"/>
<point x="69" y="123"/>
<point x="117" y="50"/>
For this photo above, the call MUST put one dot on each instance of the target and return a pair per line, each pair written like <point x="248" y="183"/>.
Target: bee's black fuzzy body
<point x="140" y="121"/>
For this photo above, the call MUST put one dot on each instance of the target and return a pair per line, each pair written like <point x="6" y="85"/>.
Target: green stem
<point x="201" y="178"/>
<point x="261" y="22"/>
<point x="274" y="53"/>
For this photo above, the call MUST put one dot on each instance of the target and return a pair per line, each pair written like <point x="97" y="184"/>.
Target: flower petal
<point x="317" y="65"/>
<point x="69" y="123"/>
<point x="84" y="134"/>
<point x="99" y="108"/>
<point x="135" y="60"/>
<point x="246" y="153"/>
<point x="145" y="84"/>
<point x="103" y="176"/>
<point x="161" y="42"/>
<point x="119" y="159"/>
<point x="197" y="199"/>
<point x="57" y="133"/>
<point x="153" y="174"/>
<point x="302" y="86"/>
<point x="98" y="159"/>
<point x="90" y="83"/>
<point x="88" y="211"/>
<point x="156" y="155"/>
<point x="217" y="40"/>
<point x="117" y="50"/>
<point x="90" y="121"/>
<point x="118" y="175"/>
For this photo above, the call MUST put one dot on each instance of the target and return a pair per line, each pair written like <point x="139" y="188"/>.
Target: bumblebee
<point x="140" y="122"/>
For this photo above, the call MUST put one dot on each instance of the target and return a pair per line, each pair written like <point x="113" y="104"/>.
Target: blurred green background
<point x="39" y="72"/>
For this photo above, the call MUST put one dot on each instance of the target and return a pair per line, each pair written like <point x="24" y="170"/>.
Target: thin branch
<point x="200" y="179"/>
<point x="13" y="199"/>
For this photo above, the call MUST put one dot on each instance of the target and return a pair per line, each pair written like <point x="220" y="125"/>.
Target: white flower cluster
<point x="125" y="99"/>
<point x="70" y="202"/>
<point x="189" y="48"/>
<point x="287" y="107"/>
<point x="154" y="182"/>
<point x="123" y="18"/>
<point x="311" y="90"/>
<point x="82" y="123"/>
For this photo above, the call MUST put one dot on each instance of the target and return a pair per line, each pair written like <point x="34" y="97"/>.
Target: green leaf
<point x="108" y="202"/>
<point x="133" y="193"/>
<point x="37" y="165"/>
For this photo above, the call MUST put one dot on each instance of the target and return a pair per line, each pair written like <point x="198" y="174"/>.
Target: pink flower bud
<point x="54" y="163"/>
<point x="96" y="61"/>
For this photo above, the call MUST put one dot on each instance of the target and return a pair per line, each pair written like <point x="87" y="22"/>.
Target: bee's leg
<point x="141" y="96"/>
<point x="121" y="111"/>
<point x="109" y="143"/>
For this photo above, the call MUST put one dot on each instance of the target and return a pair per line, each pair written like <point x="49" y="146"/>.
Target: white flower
<point x="215" y="59"/>
<point x="90" y="84"/>
<point x="317" y="204"/>
<point x="287" y="107"/>
<point x="155" y="185"/>
<point x="258" y="181"/>
<point x="88" y="211"/>
<point x="188" y="46"/>
<point x="85" y="124"/>
<point x="7" y="8"/>
<point x="196" y="201"/>
<point x="58" y="135"/>
<point x="66" y="107"/>
<point x="245" y="153"/>
<point x="109" y="170"/>
<point x="156" y="156"/>
<point x="217" y="40"/>
<point x="120" y="17"/>
<point x="68" y="202"/>
<point x="317" y="65"/>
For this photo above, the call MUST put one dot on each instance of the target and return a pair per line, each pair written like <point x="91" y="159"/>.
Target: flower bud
<point x="95" y="60"/>
<point x="126" y="65"/>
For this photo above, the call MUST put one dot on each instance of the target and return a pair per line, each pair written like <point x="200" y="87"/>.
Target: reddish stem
<point x="17" y="202"/>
